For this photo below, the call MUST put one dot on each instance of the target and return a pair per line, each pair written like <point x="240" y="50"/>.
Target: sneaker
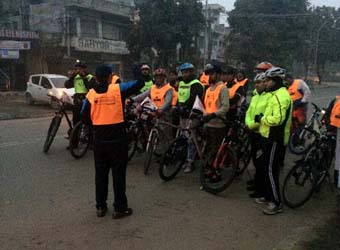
<point x="101" y="211"/>
<point x="273" y="209"/>
<point x="188" y="168"/>
<point x="255" y="195"/>
<point x="120" y="215"/>
<point x="260" y="200"/>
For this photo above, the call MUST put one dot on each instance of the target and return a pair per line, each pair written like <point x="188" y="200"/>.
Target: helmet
<point x="80" y="64"/>
<point x="275" y="72"/>
<point x="259" y="77"/>
<point x="264" y="66"/>
<point x="185" y="66"/>
<point x="145" y="66"/>
<point x="160" y="72"/>
<point x="212" y="68"/>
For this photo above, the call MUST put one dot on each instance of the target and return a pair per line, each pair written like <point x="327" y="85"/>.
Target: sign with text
<point x="19" y="34"/>
<point x="9" y="54"/>
<point x="100" y="45"/>
<point x="15" y="45"/>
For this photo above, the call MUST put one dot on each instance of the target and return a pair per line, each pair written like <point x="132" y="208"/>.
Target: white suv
<point x="40" y="86"/>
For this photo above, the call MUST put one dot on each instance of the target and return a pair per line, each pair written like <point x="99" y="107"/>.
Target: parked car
<point x="40" y="86"/>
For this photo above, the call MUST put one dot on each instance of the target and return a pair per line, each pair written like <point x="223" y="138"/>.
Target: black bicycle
<point x="80" y="139"/>
<point x="64" y="104"/>
<point x="308" y="173"/>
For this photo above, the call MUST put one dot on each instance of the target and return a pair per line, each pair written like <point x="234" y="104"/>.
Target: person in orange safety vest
<point x="216" y="103"/>
<point x="103" y="107"/>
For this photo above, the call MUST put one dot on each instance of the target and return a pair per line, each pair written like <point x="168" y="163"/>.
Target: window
<point x="89" y="28"/>
<point x="35" y="80"/>
<point x="45" y="83"/>
<point x="111" y="32"/>
<point x="59" y="82"/>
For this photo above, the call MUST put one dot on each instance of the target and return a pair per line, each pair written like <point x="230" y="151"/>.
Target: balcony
<point x="116" y="7"/>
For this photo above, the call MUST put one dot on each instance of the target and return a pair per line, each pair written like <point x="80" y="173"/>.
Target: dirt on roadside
<point x="14" y="107"/>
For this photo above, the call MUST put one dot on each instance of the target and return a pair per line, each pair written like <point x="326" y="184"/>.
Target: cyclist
<point x="161" y="93"/>
<point x="262" y="67"/>
<point x="146" y="74"/>
<point x="301" y="95"/>
<point x="204" y="79"/>
<point x="103" y="107"/>
<point x="81" y="81"/>
<point x="188" y="89"/>
<point x="274" y="129"/>
<point x="236" y="92"/>
<point x="216" y="102"/>
<point x="242" y="80"/>
<point x="257" y="105"/>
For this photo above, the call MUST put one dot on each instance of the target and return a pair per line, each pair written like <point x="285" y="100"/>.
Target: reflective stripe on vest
<point x="184" y="90"/>
<point x="147" y="86"/>
<point x="158" y="94"/>
<point x="79" y="86"/>
<point x="242" y="82"/>
<point x="335" y="114"/>
<point x="106" y="108"/>
<point x="211" y="98"/>
<point x="233" y="90"/>
<point x="294" y="90"/>
<point x="204" y="79"/>
<point x="114" y="80"/>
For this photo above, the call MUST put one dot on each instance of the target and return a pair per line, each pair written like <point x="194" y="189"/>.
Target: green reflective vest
<point x="184" y="90"/>
<point x="79" y="86"/>
<point x="147" y="86"/>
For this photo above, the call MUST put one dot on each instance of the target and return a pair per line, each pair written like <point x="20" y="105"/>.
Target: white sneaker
<point x="273" y="209"/>
<point x="260" y="200"/>
<point x="188" y="167"/>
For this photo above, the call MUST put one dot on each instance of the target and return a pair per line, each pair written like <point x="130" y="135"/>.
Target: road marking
<point x="20" y="143"/>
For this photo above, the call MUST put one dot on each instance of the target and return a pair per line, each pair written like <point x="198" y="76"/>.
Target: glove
<point x="208" y="117"/>
<point x="258" y="118"/>
<point x="297" y="104"/>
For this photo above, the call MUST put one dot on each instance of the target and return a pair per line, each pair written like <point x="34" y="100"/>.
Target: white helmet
<point x="275" y="72"/>
<point x="260" y="77"/>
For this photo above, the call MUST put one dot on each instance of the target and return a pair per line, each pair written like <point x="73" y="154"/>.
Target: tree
<point x="266" y="30"/>
<point x="163" y="25"/>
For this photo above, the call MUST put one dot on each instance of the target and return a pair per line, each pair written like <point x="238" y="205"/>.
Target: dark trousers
<point x="272" y="152"/>
<point x="77" y="106"/>
<point x="256" y="153"/>
<point x="114" y="157"/>
<point x="214" y="137"/>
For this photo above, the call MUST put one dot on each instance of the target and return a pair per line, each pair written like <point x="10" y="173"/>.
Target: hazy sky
<point x="229" y="4"/>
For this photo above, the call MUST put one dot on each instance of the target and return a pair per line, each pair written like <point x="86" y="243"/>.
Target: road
<point x="47" y="202"/>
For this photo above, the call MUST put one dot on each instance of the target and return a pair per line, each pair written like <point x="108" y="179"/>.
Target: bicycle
<point x="302" y="138"/>
<point x="308" y="173"/>
<point x="80" y="139"/>
<point x="64" y="102"/>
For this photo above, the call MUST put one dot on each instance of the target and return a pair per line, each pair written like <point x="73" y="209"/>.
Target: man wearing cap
<point x="81" y="81"/>
<point x="146" y="70"/>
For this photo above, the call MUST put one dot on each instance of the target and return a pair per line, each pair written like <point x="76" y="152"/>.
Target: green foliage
<point x="163" y="24"/>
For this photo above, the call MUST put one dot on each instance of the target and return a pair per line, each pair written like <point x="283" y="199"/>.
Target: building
<point x="212" y="42"/>
<point x="90" y="31"/>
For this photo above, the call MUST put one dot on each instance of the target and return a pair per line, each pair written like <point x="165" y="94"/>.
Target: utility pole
<point x="206" y="39"/>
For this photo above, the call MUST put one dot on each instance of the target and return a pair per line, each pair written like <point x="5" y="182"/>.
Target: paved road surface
<point x="47" y="202"/>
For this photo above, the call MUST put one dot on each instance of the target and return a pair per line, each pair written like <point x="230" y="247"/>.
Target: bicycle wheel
<point x="173" y="159"/>
<point x="300" y="141"/>
<point x="149" y="151"/>
<point x="52" y="131"/>
<point x="298" y="185"/>
<point x="243" y="156"/>
<point x="79" y="140"/>
<point x="217" y="180"/>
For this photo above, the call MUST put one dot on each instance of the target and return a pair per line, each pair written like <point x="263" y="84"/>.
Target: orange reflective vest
<point x="114" y="80"/>
<point x="211" y="98"/>
<point x="204" y="79"/>
<point x="233" y="90"/>
<point x="294" y="90"/>
<point x="106" y="108"/>
<point x="335" y="114"/>
<point x="242" y="82"/>
<point x="158" y="94"/>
